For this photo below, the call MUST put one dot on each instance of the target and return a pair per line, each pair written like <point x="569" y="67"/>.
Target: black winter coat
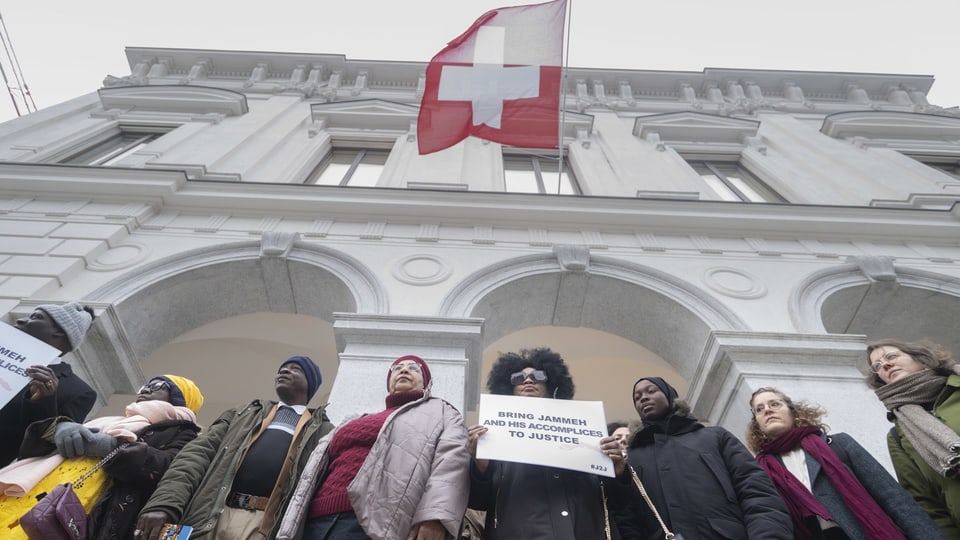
<point x="705" y="484"/>
<point x="136" y="471"/>
<point x="74" y="399"/>
<point x="539" y="503"/>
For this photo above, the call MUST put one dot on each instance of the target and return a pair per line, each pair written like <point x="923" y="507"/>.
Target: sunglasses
<point x="152" y="386"/>
<point x="520" y="377"/>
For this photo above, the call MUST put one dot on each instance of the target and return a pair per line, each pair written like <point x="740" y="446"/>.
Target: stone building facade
<point x="727" y="229"/>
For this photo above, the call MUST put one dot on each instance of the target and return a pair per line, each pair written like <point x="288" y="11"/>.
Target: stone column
<point x="368" y="344"/>
<point x="822" y="369"/>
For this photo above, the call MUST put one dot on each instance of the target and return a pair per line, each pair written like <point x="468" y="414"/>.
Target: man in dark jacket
<point x="53" y="390"/>
<point x="235" y="479"/>
<point x="702" y="480"/>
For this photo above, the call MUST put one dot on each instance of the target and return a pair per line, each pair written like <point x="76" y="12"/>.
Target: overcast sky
<point x="67" y="47"/>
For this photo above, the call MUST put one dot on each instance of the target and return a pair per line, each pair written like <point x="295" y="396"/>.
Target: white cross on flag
<point x="500" y="81"/>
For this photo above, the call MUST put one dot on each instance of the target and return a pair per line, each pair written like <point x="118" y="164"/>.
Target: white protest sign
<point x="553" y="432"/>
<point x="18" y="351"/>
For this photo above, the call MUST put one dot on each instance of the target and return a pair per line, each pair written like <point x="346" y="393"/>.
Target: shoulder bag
<point x="59" y="515"/>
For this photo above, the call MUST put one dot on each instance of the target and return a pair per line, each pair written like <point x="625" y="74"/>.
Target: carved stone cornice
<point x="730" y="91"/>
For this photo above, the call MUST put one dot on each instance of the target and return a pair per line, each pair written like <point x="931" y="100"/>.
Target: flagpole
<point x="563" y="98"/>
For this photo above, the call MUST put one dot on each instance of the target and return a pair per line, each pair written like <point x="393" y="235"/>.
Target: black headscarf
<point x="672" y="396"/>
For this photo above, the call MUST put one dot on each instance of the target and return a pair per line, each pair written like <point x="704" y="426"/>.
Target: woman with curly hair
<point x="532" y="501"/>
<point x="919" y="384"/>
<point x="832" y="486"/>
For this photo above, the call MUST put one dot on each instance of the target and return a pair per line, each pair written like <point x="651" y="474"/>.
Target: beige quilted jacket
<point x="417" y="470"/>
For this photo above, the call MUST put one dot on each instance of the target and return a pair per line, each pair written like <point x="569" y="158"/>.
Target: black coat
<point x="74" y="399"/>
<point x="893" y="499"/>
<point x="704" y="483"/>
<point x="538" y="503"/>
<point x="136" y="471"/>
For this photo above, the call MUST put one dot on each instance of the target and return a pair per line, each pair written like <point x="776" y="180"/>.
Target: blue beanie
<point x="311" y="370"/>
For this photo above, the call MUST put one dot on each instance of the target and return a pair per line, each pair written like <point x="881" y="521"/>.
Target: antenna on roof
<point x="17" y="87"/>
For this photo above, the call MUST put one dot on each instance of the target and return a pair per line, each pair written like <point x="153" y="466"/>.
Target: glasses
<point x="151" y="387"/>
<point x="888" y="358"/>
<point x="412" y="366"/>
<point x="520" y="377"/>
<point x="773" y="405"/>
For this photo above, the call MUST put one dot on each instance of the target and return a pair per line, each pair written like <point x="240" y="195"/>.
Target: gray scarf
<point x="937" y="444"/>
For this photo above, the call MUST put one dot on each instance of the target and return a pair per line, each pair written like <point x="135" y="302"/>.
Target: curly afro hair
<point x="559" y="382"/>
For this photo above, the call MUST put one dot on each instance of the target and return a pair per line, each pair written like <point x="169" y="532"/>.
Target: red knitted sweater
<point x="348" y="450"/>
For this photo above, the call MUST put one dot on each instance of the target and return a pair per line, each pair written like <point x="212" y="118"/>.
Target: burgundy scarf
<point x="801" y="502"/>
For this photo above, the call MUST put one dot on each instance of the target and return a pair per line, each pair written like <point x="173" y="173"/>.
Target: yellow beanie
<point x="192" y="398"/>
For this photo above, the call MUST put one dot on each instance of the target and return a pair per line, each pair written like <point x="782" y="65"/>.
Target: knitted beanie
<point x="664" y="387"/>
<point x="183" y="392"/>
<point x="424" y="368"/>
<point x="71" y="318"/>
<point x="310" y="370"/>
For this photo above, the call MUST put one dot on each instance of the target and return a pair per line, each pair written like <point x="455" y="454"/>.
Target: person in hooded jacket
<point x="702" y="480"/>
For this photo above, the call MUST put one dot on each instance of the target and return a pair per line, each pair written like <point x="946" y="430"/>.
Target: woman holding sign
<point x="532" y="501"/>
<point x="702" y="480"/>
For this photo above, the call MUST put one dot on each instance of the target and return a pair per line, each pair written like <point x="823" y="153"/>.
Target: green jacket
<point x="195" y="487"/>
<point x="937" y="495"/>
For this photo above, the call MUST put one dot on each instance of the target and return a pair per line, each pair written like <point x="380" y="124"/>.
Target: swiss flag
<point x="500" y="81"/>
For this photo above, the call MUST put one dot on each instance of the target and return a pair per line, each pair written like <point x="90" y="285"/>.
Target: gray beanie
<point x="71" y="318"/>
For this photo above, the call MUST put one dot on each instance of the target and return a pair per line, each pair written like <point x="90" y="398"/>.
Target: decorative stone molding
<point x="734" y="282"/>
<point x="374" y="115"/>
<point x="373" y="230"/>
<point x="810" y="294"/>
<point x="366" y="289"/>
<point x="857" y="95"/>
<point x="462" y="300"/>
<point x="774" y="349"/>
<point x="572" y="258"/>
<point x="120" y="256"/>
<point x="174" y="99"/>
<point x="483" y="235"/>
<point x="275" y="244"/>
<point x="429" y="232"/>
<point x="696" y="132"/>
<point x="876" y="268"/>
<point x="198" y="71"/>
<point x="891" y="125"/>
<point x="422" y="270"/>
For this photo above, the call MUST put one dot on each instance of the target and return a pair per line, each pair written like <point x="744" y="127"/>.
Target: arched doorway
<point x="227" y="315"/>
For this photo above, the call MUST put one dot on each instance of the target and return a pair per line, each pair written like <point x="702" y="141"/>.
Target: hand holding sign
<point x="43" y="382"/>
<point x="22" y="358"/>
<point x="473" y="438"/>
<point x="540" y="431"/>
<point x="616" y="452"/>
